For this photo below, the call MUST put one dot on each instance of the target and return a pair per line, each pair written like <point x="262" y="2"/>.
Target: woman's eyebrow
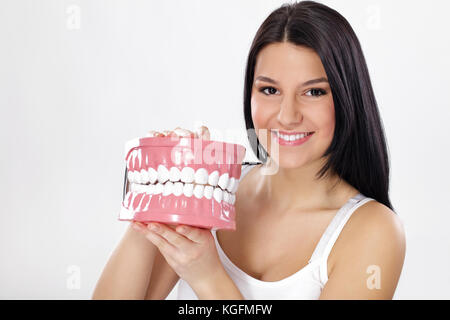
<point x="307" y="83"/>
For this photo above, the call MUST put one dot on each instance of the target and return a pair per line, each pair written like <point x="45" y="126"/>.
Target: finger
<point x="137" y="225"/>
<point x="175" y="239"/>
<point x="203" y="132"/>
<point x="192" y="233"/>
<point x="183" y="132"/>
<point x="153" y="133"/>
<point x="160" y="242"/>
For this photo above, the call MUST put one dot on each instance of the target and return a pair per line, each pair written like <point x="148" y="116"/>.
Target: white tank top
<point x="306" y="283"/>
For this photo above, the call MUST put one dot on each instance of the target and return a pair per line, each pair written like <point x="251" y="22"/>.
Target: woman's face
<point x="284" y="98"/>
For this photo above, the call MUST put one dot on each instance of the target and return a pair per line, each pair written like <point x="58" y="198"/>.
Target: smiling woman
<point x="320" y="227"/>
<point x="306" y="72"/>
<point x="326" y="210"/>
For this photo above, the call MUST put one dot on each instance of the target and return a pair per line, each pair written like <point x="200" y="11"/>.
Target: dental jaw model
<point x="182" y="180"/>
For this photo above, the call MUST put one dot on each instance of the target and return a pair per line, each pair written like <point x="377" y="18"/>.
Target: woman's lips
<point x="296" y="142"/>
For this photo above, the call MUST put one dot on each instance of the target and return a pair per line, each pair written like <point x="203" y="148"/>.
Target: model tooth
<point x="198" y="191"/>
<point x="226" y="197"/>
<point x="232" y="198"/>
<point x="149" y="189"/>
<point x="144" y="176"/>
<point x="152" y="175"/>
<point x="223" y="181"/>
<point x="133" y="176"/>
<point x="188" y="189"/>
<point x="218" y="194"/>
<point x="138" y="177"/>
<point x="201" y="176"/>
<point x="159" y="188"/>
<point x="213" y="178"/>
<point x="130" y="176"/>
<point x="231" y="184"/>
<point x="208" y="193"/>
<point x="174" y="174"/>
<point x="132" y="187"/>
<point x="177" y="188"/>
<point x="163" y="174"/>
<point x="140" y="188"/>
<point x="187" y="175"/>
<point x="168" y="188"/>
<point x="235" y="187"/>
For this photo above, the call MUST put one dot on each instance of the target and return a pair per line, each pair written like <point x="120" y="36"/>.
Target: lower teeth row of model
<point x="178" y="188"/>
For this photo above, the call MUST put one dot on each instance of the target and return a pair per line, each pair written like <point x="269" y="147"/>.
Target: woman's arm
<point x="128" y="270"/>
<point x="369" y="256"/>
<point x="218" y="287"/>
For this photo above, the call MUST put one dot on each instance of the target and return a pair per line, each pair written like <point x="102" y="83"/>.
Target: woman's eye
<point x="272" y="90"/>
<point x="316" y="92"/>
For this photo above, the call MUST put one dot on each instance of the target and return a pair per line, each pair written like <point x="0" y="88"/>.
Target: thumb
<point x="203" y="132"/>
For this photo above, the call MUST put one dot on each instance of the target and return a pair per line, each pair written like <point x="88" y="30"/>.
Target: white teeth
<point x="149" y="189"/>
<point x="201" y="176"/>
<point x="292" y="137"/>
<point x="168" y="188"/>
<point x="177" y="188"/>
<point x="174" y="174"/>
<point x="198" y="191"/>
<point x="226" y="197"/>
<point x="208" y="193"/>
<point x="187" y="175"/>
<point x="231" y="184"/>
<point x="235" y="187"/>
<point x="163" y="174"/>
<point x="223" y="181"/>
<point x="144" y="177"/>
<point x="159" y="188"/>
<point x="168" y="182"/>
<point x="152" y="174"/>
<point x="218" y="194"/>
<point x="135" y="176"/>
<point x="188" y="189"/>
<point x="232" y="198"/>
<point x="213" y="178"/>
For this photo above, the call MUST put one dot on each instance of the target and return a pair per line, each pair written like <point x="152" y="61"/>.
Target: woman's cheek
<point x="260" y="113"/>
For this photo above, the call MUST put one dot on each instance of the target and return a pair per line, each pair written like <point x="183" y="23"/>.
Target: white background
<point x="80" y="78"/>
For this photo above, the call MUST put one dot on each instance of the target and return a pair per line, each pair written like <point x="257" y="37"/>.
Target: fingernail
<point x="153" y="227"/>
<point x="135" y="226"/>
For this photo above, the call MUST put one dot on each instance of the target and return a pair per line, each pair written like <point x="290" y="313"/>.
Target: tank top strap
<point x="246" y="167"/>
<point x="336" y="225"/>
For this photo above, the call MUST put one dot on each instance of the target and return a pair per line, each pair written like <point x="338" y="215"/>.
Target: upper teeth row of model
<point x="186" y="175"/>
<point x="187" y="189"/>
<point x="291" y="137"/>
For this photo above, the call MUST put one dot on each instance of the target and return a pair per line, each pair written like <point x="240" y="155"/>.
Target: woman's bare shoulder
<point x="372" y="227"/>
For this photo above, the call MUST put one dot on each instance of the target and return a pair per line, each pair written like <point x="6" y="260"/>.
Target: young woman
<point x="322" y="226"/>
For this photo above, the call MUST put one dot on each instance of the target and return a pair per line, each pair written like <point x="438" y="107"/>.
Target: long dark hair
<point x="358" y="153"/>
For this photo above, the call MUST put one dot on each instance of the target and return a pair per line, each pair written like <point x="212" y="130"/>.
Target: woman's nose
<point x="289" y="114"/>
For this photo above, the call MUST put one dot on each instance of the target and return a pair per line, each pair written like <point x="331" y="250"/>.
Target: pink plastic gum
<point x="141" y="154"/>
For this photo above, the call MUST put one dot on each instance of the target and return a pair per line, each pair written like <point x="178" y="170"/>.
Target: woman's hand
<point x="201" y="132"/>
<point x="190" y="251"/>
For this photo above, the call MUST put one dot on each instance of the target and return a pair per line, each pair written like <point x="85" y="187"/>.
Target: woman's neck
<point x="299" y="189"/>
